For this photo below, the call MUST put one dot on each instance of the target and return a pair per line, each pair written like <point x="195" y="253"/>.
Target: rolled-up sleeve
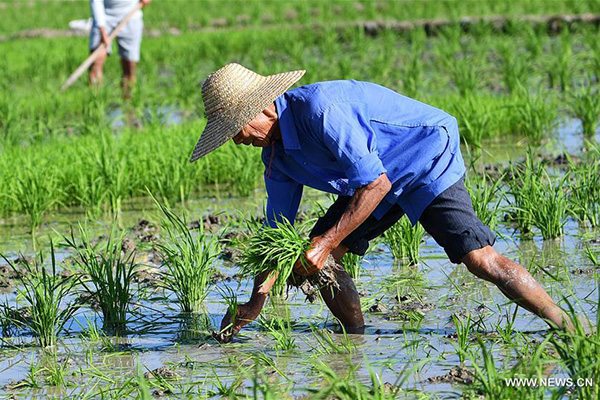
<point x="347" y="133"/>
<point x="284" y="195"/>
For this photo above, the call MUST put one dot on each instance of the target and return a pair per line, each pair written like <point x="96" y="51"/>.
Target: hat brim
<point x="218" y="131"/>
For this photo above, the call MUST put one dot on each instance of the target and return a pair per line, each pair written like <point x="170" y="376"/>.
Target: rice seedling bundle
<point x="274" y="250"/>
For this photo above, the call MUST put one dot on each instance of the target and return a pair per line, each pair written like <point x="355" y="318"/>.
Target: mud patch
<point x="460" y="375"/>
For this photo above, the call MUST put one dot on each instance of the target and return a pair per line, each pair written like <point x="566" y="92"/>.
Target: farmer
<point x="383" y="154"/>
<point x="106" y="15"/>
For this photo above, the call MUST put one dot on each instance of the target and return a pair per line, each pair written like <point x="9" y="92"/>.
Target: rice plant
<point x="486" y="197"/>
<point x="464" y="76"/>
<point x="280" y="329"/>
<point x="550" y="214"/>
<point x="412" y="75"/>
<point x="537" y="118"/>
<point x="537" y="199"/>
<point x="492" y="381"/>
<point x="463" y="329"/>
<point x="584" y="192"/>
<point x="35" y="193"/>
<point x="560" y="65"/>
<point x="404" y="240"/>
<point x="352" y="264"/>
<point x="514" y="68"/>
<point x="578" y="351"/>
<point x="189" y="259"/>
<point x="347" y="386"/>
<point x="110" y="275"/>
<point x="46" y="294"/>
<point x="585" y="105"/>
<point x="273" y="250"/>
<point x="474" y="119"/>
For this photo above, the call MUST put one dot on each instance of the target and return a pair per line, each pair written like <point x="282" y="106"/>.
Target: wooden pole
<point x="90" y="60"/>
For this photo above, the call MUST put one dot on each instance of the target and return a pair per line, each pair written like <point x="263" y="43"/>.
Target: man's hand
<point x="245" y="313"/>
<point x="314" y="259"/>
<point x="145" y="2"/>
<point x="104" y="37"/>
<point x="361" y="205"/>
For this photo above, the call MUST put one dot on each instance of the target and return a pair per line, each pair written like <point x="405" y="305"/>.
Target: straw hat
<point x="234" y="96"/>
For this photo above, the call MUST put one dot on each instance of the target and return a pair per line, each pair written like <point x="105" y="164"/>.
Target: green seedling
<point x="280" y="329"/>
<point x="584" y="191"/>
<point x="352" y="264"/>
<point x="328" y="344"/>
<point x="486" y="197"/>
<point x="463" y="329"/>
<point x="585" y="105"/>
<point x="189" y="260"/>
<point x="110" y="275"/>
<point x="45" y="295"/>
<point x="404" y="240"/>
<point x="578" y="350"/>
<point x="474" y="119"/>
<point x="537" y="118"/>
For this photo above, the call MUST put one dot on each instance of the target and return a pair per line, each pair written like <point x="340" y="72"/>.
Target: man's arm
<point x="361" y="205"/>
<point x="283" y="200"/>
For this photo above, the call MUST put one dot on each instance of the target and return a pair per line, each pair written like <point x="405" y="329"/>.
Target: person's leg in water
<point x="96" y="70"/>
<point x="453" y="224"/>
<point x="344" y="303"/>
<point x="516" y="284"/>
<point x="128" y="80"/>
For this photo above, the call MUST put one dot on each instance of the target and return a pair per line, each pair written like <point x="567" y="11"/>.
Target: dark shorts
<point x="449" y="219"/>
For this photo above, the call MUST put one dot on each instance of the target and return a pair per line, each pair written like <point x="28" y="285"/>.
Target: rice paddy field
<point x="119" y="258"/>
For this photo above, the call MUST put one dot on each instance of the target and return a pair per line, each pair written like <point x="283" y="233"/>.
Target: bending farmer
<point x="106" y="15"/>
<point x="383" y="154"/>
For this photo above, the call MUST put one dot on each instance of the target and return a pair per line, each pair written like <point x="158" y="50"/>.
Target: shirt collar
<point x="287" y="126"/>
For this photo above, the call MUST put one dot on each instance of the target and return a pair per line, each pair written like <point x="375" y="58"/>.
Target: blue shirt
<point x="341" y="135"/>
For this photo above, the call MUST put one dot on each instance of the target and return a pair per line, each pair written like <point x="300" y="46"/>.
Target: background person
<point x="106" y="15"/>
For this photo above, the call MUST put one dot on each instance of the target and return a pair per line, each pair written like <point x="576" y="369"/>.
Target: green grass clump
<point x="35" y="194"/>
<point x="352" y="264"/>
<point x="585" y="105"/>
<point x="188" y="258"/>
<point x="485" y="193"/>
<point x="404" y="240"/>
<point x="536" y="116"/>
<point x="274" y="250"/>
<point x="46" y="296"/>
<point x="578" y="351"/>
<point x="110" y="275"/>
<point x="538" y="199"/>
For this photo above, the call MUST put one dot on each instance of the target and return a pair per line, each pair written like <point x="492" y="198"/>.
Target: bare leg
<point x="516" y="283"/>
<point x="96" y="70"/>
<point x="128" y="81"/>
<point x="344" y="303"/>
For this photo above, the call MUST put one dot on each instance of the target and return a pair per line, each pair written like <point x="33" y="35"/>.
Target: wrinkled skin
<point x="512" y="279"/>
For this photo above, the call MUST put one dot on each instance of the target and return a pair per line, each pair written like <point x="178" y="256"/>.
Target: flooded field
<point x="412" y="345"/>
<point x="120" y="258"/>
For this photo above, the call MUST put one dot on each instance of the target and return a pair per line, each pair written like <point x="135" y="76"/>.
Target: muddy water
<point x="436" y="289"/>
